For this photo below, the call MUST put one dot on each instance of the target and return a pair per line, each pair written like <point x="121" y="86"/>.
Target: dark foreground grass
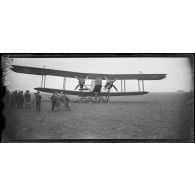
<point x="154" y="116"/>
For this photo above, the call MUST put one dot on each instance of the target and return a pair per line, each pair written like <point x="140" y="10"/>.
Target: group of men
<point x="56" y="98"/>
<point x="23" y="100"/>
<point x="20" y="99"/>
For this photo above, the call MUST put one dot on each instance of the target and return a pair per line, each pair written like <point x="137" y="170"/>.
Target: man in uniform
<point x="62" y="98"/>
<point x="27" y="99"/>
<point x="7" y="97"/>
<point x="58" y="102"/>
<point x="15" y="96"/>
<point x="21" y="99"/>
<point x="67" y="100"/>
<point x="12" y="98"/>
<point x="38" y="101"/>
<point x="53" y="101"/>
<point x="97" y="88"/>
<point x="18" y="99"/>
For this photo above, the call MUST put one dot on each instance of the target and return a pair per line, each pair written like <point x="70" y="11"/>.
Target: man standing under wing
<point x="67" y="100"/>
<point x="38" y="101"/>
<point x="53" y="102"/>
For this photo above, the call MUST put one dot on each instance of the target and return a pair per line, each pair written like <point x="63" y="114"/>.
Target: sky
<point x="178" y="70"/>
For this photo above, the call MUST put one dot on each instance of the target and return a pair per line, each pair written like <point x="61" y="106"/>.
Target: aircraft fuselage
<point x="98" y="85"/>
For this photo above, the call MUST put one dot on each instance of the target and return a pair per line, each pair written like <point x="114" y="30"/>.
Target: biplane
<point x="95" y="89"/>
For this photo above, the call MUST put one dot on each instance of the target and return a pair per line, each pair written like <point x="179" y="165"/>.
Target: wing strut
<point x="124" y="86"/>
<point x="142" y="81"/>
<point x="41" y="81"/>
<point x="143" y="85"/>
<point x="64" y="83"/>
<point x="44" y="80"/>
<point x="138" y="85"/>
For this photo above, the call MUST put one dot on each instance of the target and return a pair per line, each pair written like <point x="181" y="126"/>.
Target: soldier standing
<point x="58" y="102"/>
<point x="12" y="98"/>
<point x="27" y="99"/>
<point x="67" y="100"/>
<point x="18" y="98"/>
<point x="21" y="99"/>
<point x="53" y="102"/>
<point x="38" y="101"/>
<point x="62" y="98"/>
<point x="7" y="97"/>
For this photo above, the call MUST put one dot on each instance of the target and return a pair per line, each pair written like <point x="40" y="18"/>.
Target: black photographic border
<point x="92" y="55"/>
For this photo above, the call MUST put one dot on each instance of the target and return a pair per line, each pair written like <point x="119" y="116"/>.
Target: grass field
<point x="152" y="116"/>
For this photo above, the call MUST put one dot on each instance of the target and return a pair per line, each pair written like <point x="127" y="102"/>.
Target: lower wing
<point x="85" y="93"/>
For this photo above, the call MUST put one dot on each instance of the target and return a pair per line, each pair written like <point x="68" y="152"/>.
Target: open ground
<point x="153" y="116"/>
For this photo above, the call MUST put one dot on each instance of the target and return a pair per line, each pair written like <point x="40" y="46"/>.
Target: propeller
<point x="109" y="84"/>
<point x="81" y="81"/>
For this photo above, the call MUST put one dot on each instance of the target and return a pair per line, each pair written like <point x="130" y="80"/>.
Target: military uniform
<point x="53" y="102"/>
<point x="15" y="96"/>
<point x="58" y="102"/>
<point x="20" y="99"/>
<point x="62" y="98"/>
<point x="12" y="98"/>
<point x="27" y="99"/>
<point x="38" y="101"/>
<point x="7" y="98"/>
<point x="67" y="100"/>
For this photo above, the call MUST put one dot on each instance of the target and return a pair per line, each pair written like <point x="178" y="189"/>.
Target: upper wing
<point x="84" y="93"/>
<point x="44" y="71"/>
